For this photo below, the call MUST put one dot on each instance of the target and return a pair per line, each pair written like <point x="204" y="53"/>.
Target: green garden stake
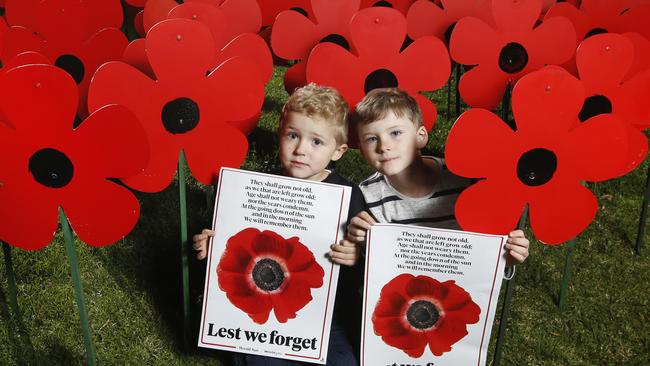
<point x="184" y="249"/>
<point x="11" y="281"/>
<point x="505" y="309"/>
<point x="78" y="288"/>
<point x="644" y="214"/>
<point x="567" y="273"/>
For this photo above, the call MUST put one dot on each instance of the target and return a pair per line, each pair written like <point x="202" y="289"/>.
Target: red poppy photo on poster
<point x="262" y="271"/>
<point x="414" y="312"/>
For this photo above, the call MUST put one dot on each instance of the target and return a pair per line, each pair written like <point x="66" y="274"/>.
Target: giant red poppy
<point x="413" y="312"/>
<point x="428" y="19"/>
<point x="46" y="163"/>
<point x="271" y="9"/>
<point x="401" y="5"/>
<point x="183" y="108"/>
<point x="603" y="61"/>
<point x="294" y="35"/>
<point x="66" y="34"/>
<point x="540" y="164"/>
<point x="262" y="271"/>
<point x="377" y="35"/>
<point x="505" y="53"/>
<point x="598" y="16"/>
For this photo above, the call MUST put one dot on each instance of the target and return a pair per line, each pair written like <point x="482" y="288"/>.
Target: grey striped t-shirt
<point x="435" y="209"/>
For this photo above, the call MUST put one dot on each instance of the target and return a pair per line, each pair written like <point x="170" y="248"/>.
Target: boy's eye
<point x="371" y="139"/>
<point x="318" y="142"/>
<point x="292" y="135"/>
<point x="396" y="133"/>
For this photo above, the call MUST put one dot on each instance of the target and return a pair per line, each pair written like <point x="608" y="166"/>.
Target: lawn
<point x="133" y="292"/>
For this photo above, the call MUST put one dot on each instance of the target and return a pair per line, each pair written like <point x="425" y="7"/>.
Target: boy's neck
<point x="417" y="180"/>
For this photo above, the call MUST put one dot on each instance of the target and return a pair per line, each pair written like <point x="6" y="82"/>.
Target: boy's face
<point x="390" y="145"/>
<point x="307" y="145"/>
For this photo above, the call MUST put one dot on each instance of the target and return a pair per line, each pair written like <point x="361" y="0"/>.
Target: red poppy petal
<point x="156" y="11"/>
<point x="513" y="16"/>
<point x="597" y="148"/>
<point x="104" y="14"/>
<point x="247" y="13"/>
<point x="393" y="332"/>
<point x="137" y="3"/>
<point x="96" y="142"/>
<point x="255" y="304"/>
<point x="429" y="112"/>
<point x="238" y="253"/>
<point x="551" y="43"/>
<point x="424" y="18"/>
<point x="483" y="86"/>
<point x="604" y="59"/>
<point x="138" y="24"/>
<point x="17" y="40"/>
<point x="390" y="304"/>
<point x="441" y="339"/>
<point x="28" y="217"/>
<point x="136" y="56"/>
<point x="299" y="257"/>
<point x="252" y="47"/>
<point x="64" y="21"/>
<point x="269" y="242"/>
<point x="107" y="202"/>
<point x="423" y="285"/>
<point x="293" y="297"/>
<point x="180" y="49"/>
<point x="638" y="88"/>
<point x="635" y="19"/>
<point x="417" y="75"/>
<point x="490" y="207"/>
<point x="49" y="87"/>
<point x="466" y="48"/>
<point x="293" y="35"/>
<point x="536" y="91"/>
<point x="26" y="58"/>
<point x="455" y="297"/>
<point x="478" y="130"/>
<point x="641" y="54"/>
<point x="210" y="15"/>
<point x="378" y="32"/>
<point x="295" y="77"/>
<point x="578" y="205"/>
<point x="21" y="12"/>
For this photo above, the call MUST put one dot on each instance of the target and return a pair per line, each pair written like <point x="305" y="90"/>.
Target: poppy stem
<point x="644" y="214"/>
<point x="567" y="273"/>
<point x="457" y="90"/>
<point x="182" y="200"/>
<point x="11" y="281"/>
<point x="507" y="299"/>
<point x="78" y="288"/>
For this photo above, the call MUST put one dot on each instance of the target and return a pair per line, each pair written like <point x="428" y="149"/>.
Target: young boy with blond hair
<point x="408" y="188"/>
<point x="312" y="133"/>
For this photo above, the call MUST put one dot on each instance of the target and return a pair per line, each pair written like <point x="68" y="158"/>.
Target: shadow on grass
<point x="19" y="340"/>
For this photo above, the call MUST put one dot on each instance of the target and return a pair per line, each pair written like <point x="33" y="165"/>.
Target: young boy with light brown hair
<point x="408" y="188"/>
<point x="312" y="133"/>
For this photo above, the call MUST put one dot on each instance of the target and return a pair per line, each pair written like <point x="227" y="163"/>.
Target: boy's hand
<point x="345" y="253"/>
<point x="200" y="244"/>
<point x="358" y="227"/>
<point x="517" y="248"/>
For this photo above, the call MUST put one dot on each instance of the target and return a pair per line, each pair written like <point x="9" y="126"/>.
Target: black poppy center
<point x="595" y="31"/>
<point x="301" y="11"/>
<point x="380" y="78"/>
<point x="513" y="58"/>
<point x="180" y="115"/>
<point x="51" y="168"/>
<point x="422" y="314"/>
<point x="536" y="167"/>
<point x="267" y="274"/>
<point x="337" y="39"/>
<point x="383" y="3"/>
<point x="593" y="106"/>
<point x="72" y="65"/>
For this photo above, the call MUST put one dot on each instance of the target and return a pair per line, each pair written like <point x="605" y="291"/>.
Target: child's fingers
<point x="343" y="249"/>
<point x="343" y="258"/>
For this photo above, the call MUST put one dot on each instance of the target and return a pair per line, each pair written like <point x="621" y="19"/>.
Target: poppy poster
<point x="430" y="295"/>
<point x="270" y="287"/>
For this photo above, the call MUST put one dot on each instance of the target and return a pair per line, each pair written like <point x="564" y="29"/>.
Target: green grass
<point x="134" y="301"/>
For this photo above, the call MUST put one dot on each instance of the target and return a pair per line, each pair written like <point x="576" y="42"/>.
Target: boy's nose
<point x="383" y="146"/>
<point x="300" y="148"/>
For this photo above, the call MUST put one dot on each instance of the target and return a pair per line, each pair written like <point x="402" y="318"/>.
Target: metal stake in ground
<point x="11" y="281"/>
<point x="184" y="249"/>
<point x="565" y="276"/>
<point x="78" y="288"/>
<point x="644" y="213"/>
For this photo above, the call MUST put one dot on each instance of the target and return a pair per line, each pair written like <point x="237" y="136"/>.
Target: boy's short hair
<point x="320" y="101"/>
<point x="379" y="102"/>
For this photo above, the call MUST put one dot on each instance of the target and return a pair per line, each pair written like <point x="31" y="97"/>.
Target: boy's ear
<point x="422" y="136"/>
<point x="340" y="150"/>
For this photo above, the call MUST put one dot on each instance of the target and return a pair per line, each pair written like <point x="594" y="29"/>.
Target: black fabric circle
<point x="513" y="58"/>
<point x="383" y="3"/>
<point x="301" y="11"/>
<point x="595" y="31"/>
<point x="422" y="314"/>
<point x="51" y="168"/>
<point x="180" y="115"/>
<point x="336" y="39"/>
<point x="72" y="65"/>
<point x="380" y="78"/>
<point x="536" y="167"/>
<point x="593" y="106"/>
<point x="267" y="274"/>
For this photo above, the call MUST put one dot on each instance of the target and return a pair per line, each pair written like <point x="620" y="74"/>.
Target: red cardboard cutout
<point x="271" y="9"/>
<point x="603" y="61"/>
<point x="183" y="108"/>
<point x="505" y="53"/>
<point x="62" y="28"/>
<point x="46" y="163"/>
<point x="425" y="18"/>
<point x="541" y="164"/>
<point x="294" y="35"/>
<point x="401" y="5"/>
<point x="377" y="34"/>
